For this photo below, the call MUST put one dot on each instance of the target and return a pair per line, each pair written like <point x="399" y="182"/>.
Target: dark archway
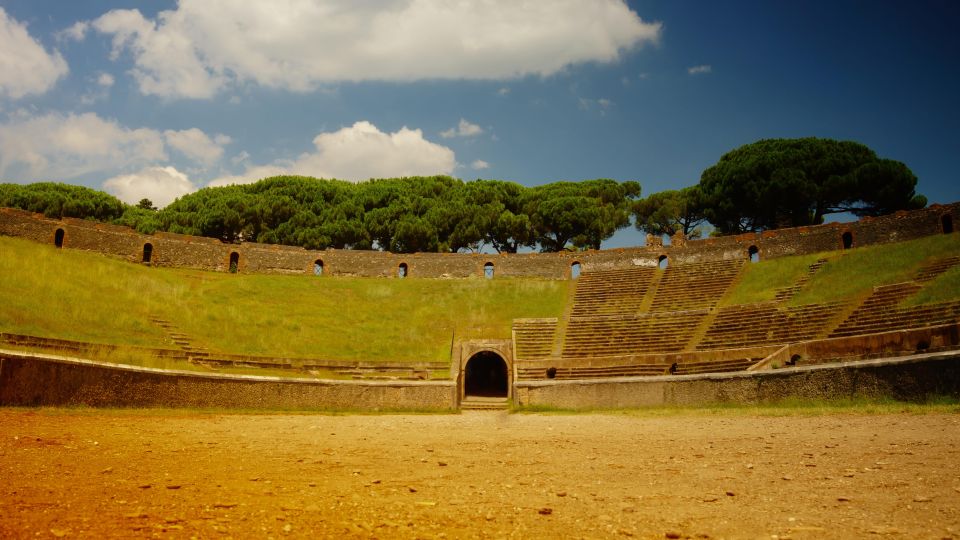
<point x="402" y="270"/>
<point x="485" y="375"/>
<point x="58" y="238"/>
<point x="847" y="240"/>
<point x="753" y="253"/>
<point x="662" y="262"/>
<point x="488" y="270"/>
<point x="575" y="270"/>
<point x="318" y="267"/>
<point x="946" y="222"/>
<point x="147" y="253"/>
<point x="234" y="262"/>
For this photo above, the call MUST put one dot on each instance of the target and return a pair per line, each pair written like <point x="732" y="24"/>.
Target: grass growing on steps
<point x="945" y="288"/>
<point x="760" y="281"/>
<point x="861" y="269"/>
<point x="88" y="297"/>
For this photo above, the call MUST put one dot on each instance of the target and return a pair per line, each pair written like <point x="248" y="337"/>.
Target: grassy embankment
<point x="851" y="274"/>
<point x="88" y="297"/>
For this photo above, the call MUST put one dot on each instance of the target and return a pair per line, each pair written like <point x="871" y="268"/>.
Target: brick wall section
<point x="176" y="250"/>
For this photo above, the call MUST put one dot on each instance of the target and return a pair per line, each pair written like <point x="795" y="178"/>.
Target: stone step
<point x="478" y="403"/>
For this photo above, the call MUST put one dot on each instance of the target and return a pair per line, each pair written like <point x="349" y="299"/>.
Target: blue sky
<point x="159" y="98"/>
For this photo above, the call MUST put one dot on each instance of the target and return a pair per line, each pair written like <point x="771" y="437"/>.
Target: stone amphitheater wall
<point x="175" y="250"/>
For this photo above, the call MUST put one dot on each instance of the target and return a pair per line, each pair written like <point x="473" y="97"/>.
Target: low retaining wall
<point x="46" y="380"/>
<point x="911" y="378"/>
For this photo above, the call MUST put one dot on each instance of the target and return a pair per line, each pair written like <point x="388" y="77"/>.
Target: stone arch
<point x="946" y="223"/>
<point x="403" y="270"/>
<point x="575" y="269"/>
<point x="58" y="238"/>
<point x="663" y="262"/>
<point x="486" y="374"/>
<point x="318" y="267"/>
<point x="147" y="253"/>
<point x="753" y="254"/>
<point x="846" y="239"/>
<point x="488" y="270"/>
<point x="234" y="262"/>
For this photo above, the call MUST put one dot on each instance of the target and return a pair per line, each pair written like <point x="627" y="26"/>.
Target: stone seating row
<point x="767" y="324"/>
<point x="533" y="338"/>
<point x="594" y="336"/>
<point x="694" y="285"/>
<point x="611" y="291"/>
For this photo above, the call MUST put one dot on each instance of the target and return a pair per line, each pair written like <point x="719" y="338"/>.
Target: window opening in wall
<point x="318" y="267"/>
<point x="847" y="239"/>
<point x="551" y="373"/>
<point x="662" y="262"/>
<point x="946" y="222"/>
<point x="754" y="254"/>
<point x="575" y="270"/>
<point x="147" y="253"/>
<point x="486" y="375"/>
<point x="234" y="262"/>
<point x="58" y="238"/>
<point x="488" y="270"/>
<point x="402" y="270"/>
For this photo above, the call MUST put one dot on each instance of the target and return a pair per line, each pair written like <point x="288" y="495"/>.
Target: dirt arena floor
<point x="93" y="474"/>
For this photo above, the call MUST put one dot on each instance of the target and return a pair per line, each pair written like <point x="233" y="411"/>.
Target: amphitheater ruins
<point x="644" y="327"/>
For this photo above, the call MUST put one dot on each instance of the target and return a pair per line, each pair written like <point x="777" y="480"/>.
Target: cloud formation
<point x="202" y="46"/>
<point x="25" y="66"/>
<point x="463" y="129"/>
<point x="196" y="145"/>
<point x="358" y="153"/>
<point x="61" y="146"/>
<point x="699" y="70"/>
<point x="162" y="185"/>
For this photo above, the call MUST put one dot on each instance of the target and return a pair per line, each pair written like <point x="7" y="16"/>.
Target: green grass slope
<point x="852" y="273"/>
<point x="88" y="297"/>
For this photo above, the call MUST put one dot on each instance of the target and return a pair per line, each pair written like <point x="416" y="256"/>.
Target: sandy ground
<point x="161" y="474"/>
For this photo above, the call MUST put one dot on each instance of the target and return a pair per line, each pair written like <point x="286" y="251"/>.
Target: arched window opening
<point x="575" y="270"/>
<point x="673" y="368"/>
<point x="551" y="373"/>
<point x="318" y="267"/>
<point x="402" y="270"/>
<point x="147" y="253"/>
<point x="662" y="262"/>
<point x="234" y="262"/>
<point x="58" y="238"/>
<point x="486" y="375"/>
<point x="794" y="360"/>
<point x="753" y="253"/>
<point x="946" y="223"/>
<point x="847" y="239"/>
<point x="488" y="270"/>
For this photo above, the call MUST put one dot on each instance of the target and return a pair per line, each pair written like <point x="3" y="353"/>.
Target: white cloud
<point x="357" y="153"/>
<point x="699" y="70"/>
<point x="25" y="66"/>
<point x="159" y="184"/>
<point x="76" y="32"/>
<point x="196" y="49"/>
<point x="463" y="129"/>
<point x="105" y="80"/>
<point x="196" y="145"/>
<point x="479" y="165"/>
<point x="504" y="91"/>
<point x="62" y="146"/>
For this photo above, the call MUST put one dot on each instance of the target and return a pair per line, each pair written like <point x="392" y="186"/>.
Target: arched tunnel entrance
<point x="485" y="375"/>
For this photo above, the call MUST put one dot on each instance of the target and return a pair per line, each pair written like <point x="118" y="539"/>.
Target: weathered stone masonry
<point x="175" y="250"/>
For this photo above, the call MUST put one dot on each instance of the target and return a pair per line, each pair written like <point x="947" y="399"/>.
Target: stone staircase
<point x="481" y="403"/>
<point x="786" y="293"/>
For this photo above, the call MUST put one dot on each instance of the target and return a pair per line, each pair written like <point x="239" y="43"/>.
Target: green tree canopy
<point x="671" y="211"/>
<point x="790" y="182"/>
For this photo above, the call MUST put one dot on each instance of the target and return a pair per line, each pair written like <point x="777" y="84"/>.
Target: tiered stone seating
<point x="787" y="293"/>
<point x="932" y="269"/>
<point x="881" y="312"/>
<point x="612" y="336"/>
<point x="767" y="324"/>
<point x="695" y="285"/>
<point x="533" y="338"/>
<point x="588" y="372"/>
<point x="611" y="292"/>
<point x="714" y="366"/>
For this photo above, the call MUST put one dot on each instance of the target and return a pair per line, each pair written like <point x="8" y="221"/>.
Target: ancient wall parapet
<point x="177" y="250"/>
